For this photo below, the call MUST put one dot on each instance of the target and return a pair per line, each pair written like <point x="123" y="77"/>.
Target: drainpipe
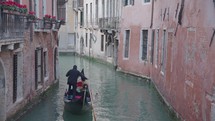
<point x="152" y="14"/>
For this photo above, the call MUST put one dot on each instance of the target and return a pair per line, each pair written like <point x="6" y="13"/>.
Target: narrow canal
<point x="116" y="96"/>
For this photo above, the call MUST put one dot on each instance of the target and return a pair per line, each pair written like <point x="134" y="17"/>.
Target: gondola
<point x="81" y="103"/>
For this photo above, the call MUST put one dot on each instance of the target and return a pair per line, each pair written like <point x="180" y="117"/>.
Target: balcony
<point x="12" y="26"/>
<point x="109" y="23"/>
<point x="62" y="2"/>
<point x="78" y="5"/>
<point x="44" y="26"/>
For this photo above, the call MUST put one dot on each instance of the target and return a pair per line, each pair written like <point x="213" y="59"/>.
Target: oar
<point x="84" y="96"/>
<point x="91" y="98"/>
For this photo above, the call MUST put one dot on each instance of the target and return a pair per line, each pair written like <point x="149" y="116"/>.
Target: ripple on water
<point x="116" y="96"/>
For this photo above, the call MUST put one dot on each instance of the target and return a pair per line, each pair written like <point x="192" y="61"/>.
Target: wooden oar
<point x="84" y="96"/>
<point x="91" y="98"/>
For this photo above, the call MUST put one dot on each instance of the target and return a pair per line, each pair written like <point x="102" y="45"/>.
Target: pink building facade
<point x="28" y="51"/>
<point x="171" y="42"/>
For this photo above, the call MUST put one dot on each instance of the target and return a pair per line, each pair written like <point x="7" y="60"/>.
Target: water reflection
<point x="116" y="96"/>
<point x="68" y="116"/>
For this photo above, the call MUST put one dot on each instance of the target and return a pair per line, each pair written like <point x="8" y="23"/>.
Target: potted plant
<point x="54" y="20"/>
<point x="31" y="16"/>
<point x="62" y="21"/>
<point x="47" y="18"/>
<point x="12" y="6"/>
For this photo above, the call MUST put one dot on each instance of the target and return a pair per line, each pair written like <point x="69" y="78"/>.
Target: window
<point x="18" y="1"/>
<point x="44" y="7"/>
<point x="102" y="43"/>
<point x="86" y="14"/>
<point x="163" y="56"/>
<point x="126" y="43"/>
<point x="146" y="1"/>
<point x="81" y="18"/>
<point x="103" y="8"/>
<point x="45" y="63"/>
<point x="38" y="68"/>
<point x="17" y="76"/>
<point x="36" y="7"/>
<point x="152" y="46"/>
<point x="111" y="8"/>
<point x="15" y="71"/>
<point x="97" y="11"/>
<point x="107" y="8"/>
<point x="91" y="10"/>
<point x="91" y="37"/>
<point x="144" y="42"/>
<point x="36" y="10"/>
<point x="128" y="2"/>
<point x="86" y="39"/>
<point x="156" y="47"/>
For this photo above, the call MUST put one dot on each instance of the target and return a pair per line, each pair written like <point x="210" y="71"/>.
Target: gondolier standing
<point x="73" y="75"/>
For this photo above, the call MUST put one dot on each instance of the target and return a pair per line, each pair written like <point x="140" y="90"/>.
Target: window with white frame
<point x="156" y="46"/>
<point x="97" y="12"/>
<point x="144" y="43"/>
<point x="163" y="56"/>
<point x="36" y="10"/>
<point x="103" y="8"/>
<point x="91" y="12"/>
<point x="128" y="2"/>
<point x="152" y="46"/>
<point x="102" y="43"/>
<point x="146" y="1"/>
<point x="86" y="14"/>
<point x="86" y="39"/>
<point x="81" y="18"/>
<point x="126" y="43"/>
<point x="90" y="41"/>
<point x="107" y="8"/>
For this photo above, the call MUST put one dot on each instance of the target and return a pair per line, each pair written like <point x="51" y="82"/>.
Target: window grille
<point x="144" y="44"/>
<point x="15" y="59"/>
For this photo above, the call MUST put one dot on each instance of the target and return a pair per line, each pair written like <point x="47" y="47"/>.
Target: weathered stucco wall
<point x="25" y="49"/>
<point x="187" y="83"/>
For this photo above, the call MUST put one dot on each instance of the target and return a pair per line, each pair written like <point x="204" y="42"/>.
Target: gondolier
<point x="81" y="102"/>
<point x="73" y="75"/>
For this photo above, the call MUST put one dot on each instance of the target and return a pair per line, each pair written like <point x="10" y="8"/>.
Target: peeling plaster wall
<point x="2" y="93"/>
<point x="26" y="74"/>
<point x="188" y="82"/>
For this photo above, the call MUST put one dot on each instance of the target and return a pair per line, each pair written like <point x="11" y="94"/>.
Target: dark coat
<point x="73" y="75"/>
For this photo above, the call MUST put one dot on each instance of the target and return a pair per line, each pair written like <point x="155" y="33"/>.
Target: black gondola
<point x="82" y="101"/>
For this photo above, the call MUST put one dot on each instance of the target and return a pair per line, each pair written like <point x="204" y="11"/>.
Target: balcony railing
<point x="42" y="25"/>
<point x="62" y="2"/>
<point x="109" y="23"/>
<point x="77" y="4"/>
<point x="11" y="26"/>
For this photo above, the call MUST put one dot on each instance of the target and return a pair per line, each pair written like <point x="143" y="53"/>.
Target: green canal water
<point x="116" y="96"/>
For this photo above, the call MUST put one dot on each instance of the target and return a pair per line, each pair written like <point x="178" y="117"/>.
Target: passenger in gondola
<point x="73" y="75"/>
<point x="83" y="91"/>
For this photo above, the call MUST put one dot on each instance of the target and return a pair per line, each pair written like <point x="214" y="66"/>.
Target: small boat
<point x="81" y="103"/>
